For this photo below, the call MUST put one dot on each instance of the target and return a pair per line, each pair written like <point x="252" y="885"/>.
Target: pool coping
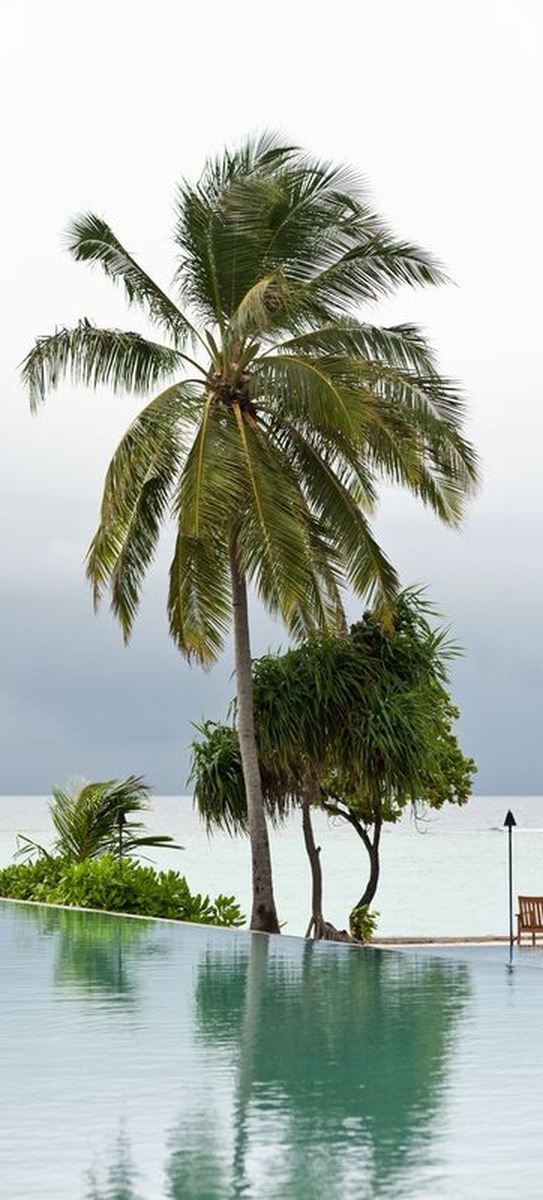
<point x="484" y="939"/>
<point x="384" y="943"/>
<point x="108" y="912"/>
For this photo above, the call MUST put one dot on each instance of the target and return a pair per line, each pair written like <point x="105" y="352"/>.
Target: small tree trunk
<point x="316" y="923"/>
<point x="372" y="847"/>
<point x="264" y="914"/>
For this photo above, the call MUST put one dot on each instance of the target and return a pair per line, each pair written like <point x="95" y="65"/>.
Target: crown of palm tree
<point x="278" y="409"/>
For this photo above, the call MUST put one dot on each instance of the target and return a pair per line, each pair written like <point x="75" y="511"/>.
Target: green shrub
<point x="31" y="881"/>
<point x="124" y="887"/>
<point x="363" y="923"/>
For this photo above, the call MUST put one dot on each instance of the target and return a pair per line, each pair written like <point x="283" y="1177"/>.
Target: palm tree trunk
<point x="264" y="914"/>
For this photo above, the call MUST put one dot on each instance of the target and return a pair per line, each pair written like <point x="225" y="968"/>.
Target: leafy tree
<point x="278" y="412"/>
<point x="87" y="819"/>
<point x="362" y="726"/>
<point x="401" y="749"/>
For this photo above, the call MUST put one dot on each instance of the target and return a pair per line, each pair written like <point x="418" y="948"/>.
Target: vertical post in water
<point x="509" y="823"/>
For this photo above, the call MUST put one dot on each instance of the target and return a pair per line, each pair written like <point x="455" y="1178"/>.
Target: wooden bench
<point x="530" y="917"/>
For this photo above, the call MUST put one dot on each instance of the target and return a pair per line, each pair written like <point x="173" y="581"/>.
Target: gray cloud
<point x="442" y="116"/>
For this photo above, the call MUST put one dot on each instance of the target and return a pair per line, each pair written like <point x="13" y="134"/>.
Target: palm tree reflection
<point x="341" y="1068"/>
<point x="121" y="1176"/>
<point x="319" y="1069"/>
<point x="94" y="952"/>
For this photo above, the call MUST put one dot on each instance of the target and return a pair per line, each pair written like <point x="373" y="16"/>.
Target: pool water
<point x="143" y="1060"/>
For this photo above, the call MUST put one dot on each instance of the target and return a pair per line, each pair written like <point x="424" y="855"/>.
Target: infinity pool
<point x="143" y="1060"/>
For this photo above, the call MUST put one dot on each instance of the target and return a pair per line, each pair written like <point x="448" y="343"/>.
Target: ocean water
<point x="445" y="875"/>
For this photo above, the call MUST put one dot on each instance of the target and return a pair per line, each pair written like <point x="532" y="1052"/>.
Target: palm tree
<point x="93" y="819"/>
<point x="277" y="413"/>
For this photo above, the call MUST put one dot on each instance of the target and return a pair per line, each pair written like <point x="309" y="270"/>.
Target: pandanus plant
<point x="277" y="412"/>
<point x="361" y="726"/>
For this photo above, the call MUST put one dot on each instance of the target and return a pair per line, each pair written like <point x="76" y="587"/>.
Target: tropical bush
<point x="116" y="886"/>
<point x="92" y="819"/>
<point x="363" y="923"/>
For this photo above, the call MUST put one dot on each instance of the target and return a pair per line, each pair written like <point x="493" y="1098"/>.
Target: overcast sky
<point x="105" y="106"/>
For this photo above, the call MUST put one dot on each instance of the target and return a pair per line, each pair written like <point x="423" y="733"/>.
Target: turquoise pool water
<point x="143" y="1060"/>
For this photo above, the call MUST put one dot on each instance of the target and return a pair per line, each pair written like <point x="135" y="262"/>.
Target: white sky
<point x="105" y="106"/>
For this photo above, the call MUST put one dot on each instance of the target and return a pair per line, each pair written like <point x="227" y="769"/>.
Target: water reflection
<point x="94" y="952"/>
<point x="121" y="1176"/>
<point x="341" y="1065"/>
<point x="196" y="1168"/>
<point x="238" y="1066"/>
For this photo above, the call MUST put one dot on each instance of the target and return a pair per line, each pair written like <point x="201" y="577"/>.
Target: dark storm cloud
<point x="74" y="700"/>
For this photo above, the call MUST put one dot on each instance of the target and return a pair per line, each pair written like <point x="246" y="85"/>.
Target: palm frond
<point x="415" y="439"/>
<point x="366" y="566"/>
<point x="264" y="305"/>
<point x="250" y="215"/>
<point x="371" y="270"/>
<point x="199" y="598"/>
<point x="324" y="392"/>
<point x="212" y="493"/>
<point x="136" y="499"/>
<point x="212" y="485"/>
<point x="271" y="531"/>
<point x="260" y="153"/>
<point x="122" y="361"/>
<point x="402" y="346"/>
<point x="91" y="240"/>
<point x="86" y="819"/>
<point x="322" y="604"/>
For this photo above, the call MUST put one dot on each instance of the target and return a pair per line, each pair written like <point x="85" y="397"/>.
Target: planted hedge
<point x="117" y="886"/>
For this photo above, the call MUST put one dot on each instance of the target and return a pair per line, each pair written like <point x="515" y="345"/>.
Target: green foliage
<point x="276" y="429"/>
<point x="86" y="819"/>
<point x="396" y="744"/>
<point x="363" y="923"/>
<point x="124" y="887"/>
<point x="217" y="780"/>
<point x="31" y="881"/>
<point x="370" y="713"/>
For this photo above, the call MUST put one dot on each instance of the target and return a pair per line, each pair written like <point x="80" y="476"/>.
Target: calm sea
<point x="445" y="875"/>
